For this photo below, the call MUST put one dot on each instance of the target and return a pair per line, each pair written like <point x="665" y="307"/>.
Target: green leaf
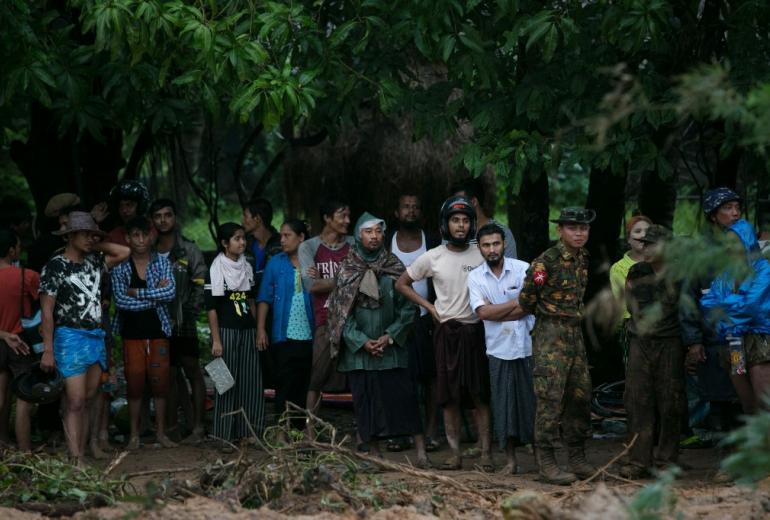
<point x="447" y="46"/>
<point x="549" y="44"/>
<point x="420" y="43"/>
<point x="188" y="77"/>
<point x="342" y="32"/>
<point x="538" y="27"/>
<point x="471" y="43"/>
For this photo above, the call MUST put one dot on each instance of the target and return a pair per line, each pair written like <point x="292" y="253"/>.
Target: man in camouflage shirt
<point x="553" y="292"/>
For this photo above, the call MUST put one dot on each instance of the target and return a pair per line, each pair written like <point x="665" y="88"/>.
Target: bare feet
<point x="165" y="441"/>
<point x="96" y="450"/>
<point x="510" y="469"/>
<point x="133" y="444"/>
<point x="197" y="436"/>
<point x="423" y="463"/>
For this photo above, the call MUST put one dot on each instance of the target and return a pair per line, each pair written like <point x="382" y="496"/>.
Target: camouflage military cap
<point x="575" y="215"/>
<point x="655" y="234"/>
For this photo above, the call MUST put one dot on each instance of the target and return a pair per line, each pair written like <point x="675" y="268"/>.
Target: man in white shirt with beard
<point x="494" y="288"/>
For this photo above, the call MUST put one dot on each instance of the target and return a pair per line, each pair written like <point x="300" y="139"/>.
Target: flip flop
<point x="452" y="463"/>
<point x="397" y="444"/>
<point x="486" y="464"/>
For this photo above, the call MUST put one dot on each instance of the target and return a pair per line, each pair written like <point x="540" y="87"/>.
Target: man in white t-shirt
<point x="408" y="242"/>
<point x="462" y="371"/>
<point x="494" y="289"/>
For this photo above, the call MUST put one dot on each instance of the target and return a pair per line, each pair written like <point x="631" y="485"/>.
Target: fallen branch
<point x="386" y="464"/>
<point x="248" y="423"/>
<point x="612" y="461"/>
<point x="159" y="471"/>
<point x="56" y="509"/>
<point x="624" y="480"/>
<point x="115" y="463"/>
<point x="582" y="486"/>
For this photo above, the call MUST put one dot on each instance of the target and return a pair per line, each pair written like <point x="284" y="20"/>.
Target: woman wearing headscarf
<point x="368" y="326"/>
<point x="229" y="298"/>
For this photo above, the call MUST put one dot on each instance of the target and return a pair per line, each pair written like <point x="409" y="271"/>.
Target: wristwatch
<point x="390" y="340"/>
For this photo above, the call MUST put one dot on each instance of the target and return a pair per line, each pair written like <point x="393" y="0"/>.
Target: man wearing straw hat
<point x="70" y="287"/>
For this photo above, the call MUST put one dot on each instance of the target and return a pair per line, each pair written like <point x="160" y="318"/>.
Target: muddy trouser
<point x="562" y="383"/>
<point x="655" y="382"/>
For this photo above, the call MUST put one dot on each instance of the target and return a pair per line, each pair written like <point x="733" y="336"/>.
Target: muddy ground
<point x="385" y="494"/>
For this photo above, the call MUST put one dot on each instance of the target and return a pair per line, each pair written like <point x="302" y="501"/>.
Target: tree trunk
<point x="657" y="198"/>
<point x="528" y="216"/>
<point x="54" y="163"/>
<point x="606" y="196"/>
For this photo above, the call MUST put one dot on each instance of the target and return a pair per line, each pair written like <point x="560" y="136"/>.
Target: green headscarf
<point x="357" y="281"/>
<point x="367" y="220"/>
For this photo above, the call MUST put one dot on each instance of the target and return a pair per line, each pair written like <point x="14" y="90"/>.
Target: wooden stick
<point x="625" y="480"/>
<point x="385" y="464"/>
<point x="254" y="435"/>
<point x="612" y="461"/>
<point x="159" y="471"/>
<point x="220" y="439"/>
<point x="115" y="462"/>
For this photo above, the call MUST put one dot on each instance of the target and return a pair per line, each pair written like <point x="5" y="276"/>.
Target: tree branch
<point x="267" y="175"/>
<point x="310" y="140"/>
<point x="143" y="143"/>
<point x="241" y="159"/>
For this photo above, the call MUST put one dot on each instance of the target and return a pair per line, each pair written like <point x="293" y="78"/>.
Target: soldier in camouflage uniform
<point x="553" y="292"/>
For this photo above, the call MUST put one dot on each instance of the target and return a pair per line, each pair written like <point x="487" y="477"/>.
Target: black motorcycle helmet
<point x="37" y="386"/>
<point x="130" y="190"/>
<point x="451" y="206"/>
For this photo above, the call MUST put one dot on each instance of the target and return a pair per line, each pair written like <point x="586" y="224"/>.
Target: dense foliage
<point x="523" y="79"/>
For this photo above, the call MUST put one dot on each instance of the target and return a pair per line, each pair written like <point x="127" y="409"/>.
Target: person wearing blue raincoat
<point x="739" y="301"/>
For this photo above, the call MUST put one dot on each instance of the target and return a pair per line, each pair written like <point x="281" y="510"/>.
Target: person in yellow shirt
<point x="636" y="227"/>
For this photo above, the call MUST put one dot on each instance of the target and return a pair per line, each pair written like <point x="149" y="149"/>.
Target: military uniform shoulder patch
<point x="539" y="273"/>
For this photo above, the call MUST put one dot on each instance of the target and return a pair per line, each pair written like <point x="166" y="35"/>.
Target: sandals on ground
<point x="397" y="444"/>
<point x="486" y="464"/>
<point x="452" y="463"/>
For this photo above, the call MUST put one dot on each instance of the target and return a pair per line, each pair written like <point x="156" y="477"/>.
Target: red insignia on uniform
<point x="539" y="277"/>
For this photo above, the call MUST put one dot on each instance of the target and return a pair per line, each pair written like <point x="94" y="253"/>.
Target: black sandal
<point x="397" y="444"/>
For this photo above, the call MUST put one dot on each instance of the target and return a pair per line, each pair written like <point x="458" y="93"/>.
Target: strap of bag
<point x="21" y="298"/>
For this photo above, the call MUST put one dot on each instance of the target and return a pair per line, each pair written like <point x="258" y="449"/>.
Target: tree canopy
<point x="607" y="87"/>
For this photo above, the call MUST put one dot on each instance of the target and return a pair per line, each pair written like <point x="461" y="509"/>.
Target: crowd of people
<point x="407" y="321"/>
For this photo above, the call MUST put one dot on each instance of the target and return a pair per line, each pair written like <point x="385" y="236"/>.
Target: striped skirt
<point x="239" y="352"/>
